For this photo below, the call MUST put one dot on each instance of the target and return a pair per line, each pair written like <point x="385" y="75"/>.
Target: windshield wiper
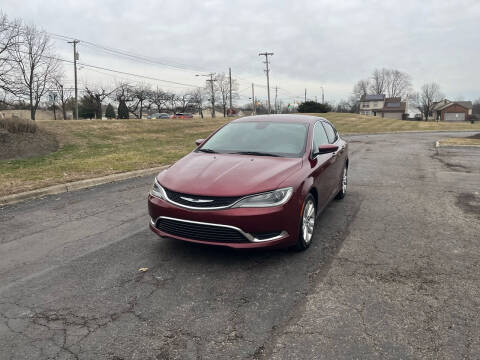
<point x="210" y="151"/>
<point x="258" y="153"/>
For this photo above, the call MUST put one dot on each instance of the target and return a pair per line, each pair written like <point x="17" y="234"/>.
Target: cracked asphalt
<point x="393" y="272"/>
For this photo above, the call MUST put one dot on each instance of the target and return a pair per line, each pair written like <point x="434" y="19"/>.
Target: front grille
<point x="200" y="232"/>
<point x="214" y="201"/>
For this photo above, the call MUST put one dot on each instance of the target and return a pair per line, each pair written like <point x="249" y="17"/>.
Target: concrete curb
<point x="77" y="185"/>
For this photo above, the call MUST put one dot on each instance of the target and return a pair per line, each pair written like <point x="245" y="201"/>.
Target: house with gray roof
<point x="446" y="110"/>
<point x="393" y="108"/>
<point x="371" y="104"/>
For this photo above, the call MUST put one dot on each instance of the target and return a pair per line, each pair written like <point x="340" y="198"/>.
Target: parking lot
<point x="393" y="272"/>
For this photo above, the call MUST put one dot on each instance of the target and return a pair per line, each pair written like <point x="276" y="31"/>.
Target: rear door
<point x="337" y="159"/>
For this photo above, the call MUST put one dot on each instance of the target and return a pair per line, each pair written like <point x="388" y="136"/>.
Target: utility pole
<point x="254" y="104"/>
<point x="305" y="94"/>
<point x="323" y="97"/>
<point x="276" y="92"/>
<point x="211" y="80"/>
<point x="75" y="58"/>
<point x="230" y="80"/>
<point x="267" y="70"/>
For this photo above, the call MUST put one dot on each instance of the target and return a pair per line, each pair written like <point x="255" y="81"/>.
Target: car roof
<point x="296" y="118"/>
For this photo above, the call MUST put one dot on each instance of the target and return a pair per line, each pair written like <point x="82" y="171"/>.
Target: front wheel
<point x="307" y="224"/>
<point x="343" y="184"/>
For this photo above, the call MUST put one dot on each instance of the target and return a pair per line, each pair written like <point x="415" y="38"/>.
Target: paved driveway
<point x="393" y="272"/>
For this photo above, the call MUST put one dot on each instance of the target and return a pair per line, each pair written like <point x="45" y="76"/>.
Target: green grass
<point x="93" y="148"/>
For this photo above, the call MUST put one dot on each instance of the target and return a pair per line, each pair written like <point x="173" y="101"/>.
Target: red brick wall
<point x="454" y="109"/>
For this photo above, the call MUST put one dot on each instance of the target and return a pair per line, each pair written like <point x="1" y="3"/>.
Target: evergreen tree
<point x="313" y="107"/>
<point x="110" y="112"/>
<point x="122" y="110"/>
<point x="87" y="107"/>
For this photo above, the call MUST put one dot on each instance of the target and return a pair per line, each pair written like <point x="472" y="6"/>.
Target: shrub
<point x="313" y="107"/>
<point x="18" y="126"/>
<point x="110" y="112"/>
<point x="122" y="110"/>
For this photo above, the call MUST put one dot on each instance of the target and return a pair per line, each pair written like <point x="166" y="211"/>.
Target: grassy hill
<point x="92" y="148"/>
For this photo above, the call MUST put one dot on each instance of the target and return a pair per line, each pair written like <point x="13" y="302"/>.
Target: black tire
<point x="302" y="242"/>
<point x="343" y="189"/>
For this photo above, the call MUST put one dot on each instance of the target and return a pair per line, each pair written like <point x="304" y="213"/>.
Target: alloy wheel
<point x="344" y="180"/>
<point x="308" y="221"/>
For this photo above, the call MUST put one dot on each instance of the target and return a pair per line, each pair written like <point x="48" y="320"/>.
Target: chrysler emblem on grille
<point x="195" y="200"/>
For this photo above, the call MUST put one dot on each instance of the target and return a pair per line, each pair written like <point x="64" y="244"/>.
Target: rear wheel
<point x="307" y="224"/>
<point x="343" y="184"/>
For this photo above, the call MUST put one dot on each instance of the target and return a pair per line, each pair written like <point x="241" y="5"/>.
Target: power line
<point x="131" y="55"/>
<point x="117" y="71"/>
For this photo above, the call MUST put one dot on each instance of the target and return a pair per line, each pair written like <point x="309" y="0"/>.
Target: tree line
<point x="31" y="75"/>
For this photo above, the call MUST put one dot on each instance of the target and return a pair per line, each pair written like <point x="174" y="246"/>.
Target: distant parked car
<point x="159" y="116"/>
<point x="182" y="116"/>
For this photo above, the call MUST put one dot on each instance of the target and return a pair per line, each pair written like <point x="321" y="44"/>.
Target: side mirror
<point x="199" y="141"/>
<point x="326" y="149"/>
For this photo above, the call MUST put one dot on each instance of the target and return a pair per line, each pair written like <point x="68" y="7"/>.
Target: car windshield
<point x="259" y="138"/>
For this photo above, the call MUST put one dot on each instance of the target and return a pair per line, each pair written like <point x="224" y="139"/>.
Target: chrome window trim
<point x="337" y="137"/>
<point x="248" y="236"/>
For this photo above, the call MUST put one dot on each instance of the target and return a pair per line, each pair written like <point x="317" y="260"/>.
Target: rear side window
<point x="331" y="133"/>
<point x="319" y="136"/>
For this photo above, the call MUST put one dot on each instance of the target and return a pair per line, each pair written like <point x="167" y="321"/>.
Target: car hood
<point x="227" y="174"/>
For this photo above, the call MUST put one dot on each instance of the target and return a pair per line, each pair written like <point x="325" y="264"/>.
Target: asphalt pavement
<point x="393" y="272"/>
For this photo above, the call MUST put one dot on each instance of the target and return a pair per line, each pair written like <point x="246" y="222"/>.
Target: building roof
<point x="465" y="104"/>
<point x="372" y="97"/>
<point x="394" y="105"/>
<point x="446" y="103"/>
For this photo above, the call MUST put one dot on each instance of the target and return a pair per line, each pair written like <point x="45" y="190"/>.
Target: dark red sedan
<point x="258" y="181"/>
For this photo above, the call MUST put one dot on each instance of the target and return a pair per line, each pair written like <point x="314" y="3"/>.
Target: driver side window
<point x="319" y="136"/>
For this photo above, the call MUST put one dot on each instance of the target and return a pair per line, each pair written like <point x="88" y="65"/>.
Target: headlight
<point x="271" y="198"/>
<point x="157" y="190"/>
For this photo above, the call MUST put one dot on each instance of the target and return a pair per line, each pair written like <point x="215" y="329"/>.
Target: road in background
<point x="393" y="272"/>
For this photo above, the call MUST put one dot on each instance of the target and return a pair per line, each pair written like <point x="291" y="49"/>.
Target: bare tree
<point x="184" y="101"/>
<point x="361" y="88"/>
<point x="398" y="84"/>
<point x="197" y="99"/>
<point x="98" y="95"/>
<point x="9" y="38"/>
<point x="36" y="64"/>
<point x="141" y="95"/>
<point x="379" y="81"/>
<point x="64" y="95"/>
<point x="222" y="87"/>
<point x="135" y="97"/>
<point x="159" y="99"/>
<point x="429" y="95"/>
<point x="172" y="100"/>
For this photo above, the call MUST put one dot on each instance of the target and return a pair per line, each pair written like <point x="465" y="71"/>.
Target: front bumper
<point x="282" y="220"/>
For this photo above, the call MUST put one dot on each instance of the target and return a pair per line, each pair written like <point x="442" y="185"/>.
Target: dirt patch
<point x="25" y="145"/>
<point x="469" y="203"/>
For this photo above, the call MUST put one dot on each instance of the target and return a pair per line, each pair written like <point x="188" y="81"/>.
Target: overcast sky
<point x="316" y="43"/>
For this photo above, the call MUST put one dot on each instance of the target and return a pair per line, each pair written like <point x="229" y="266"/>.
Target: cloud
<point x="316" y="43"/>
